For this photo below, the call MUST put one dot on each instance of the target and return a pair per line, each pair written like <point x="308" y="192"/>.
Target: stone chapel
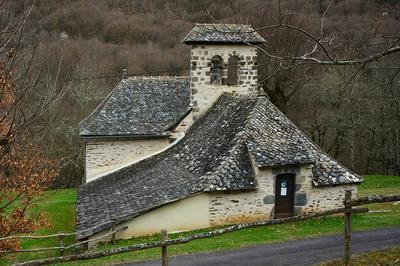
<point x="183" y="153"/>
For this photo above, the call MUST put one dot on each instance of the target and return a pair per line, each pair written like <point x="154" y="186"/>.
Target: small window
<point x="233" y="70"/>
<point x="216" y="70"/>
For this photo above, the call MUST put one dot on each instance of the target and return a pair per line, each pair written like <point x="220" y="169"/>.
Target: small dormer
<point x="223" y="58"/>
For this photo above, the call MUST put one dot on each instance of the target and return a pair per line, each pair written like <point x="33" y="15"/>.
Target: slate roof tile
<point x="140" y="106"/>
<point x="276" y="141"/>
<point x="223" y="33"/>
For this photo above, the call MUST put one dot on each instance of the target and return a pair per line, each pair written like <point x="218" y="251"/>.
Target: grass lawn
<point x="390" y="256"/>
<point x="60" y="206"/>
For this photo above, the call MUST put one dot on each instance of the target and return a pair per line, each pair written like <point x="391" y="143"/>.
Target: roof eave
<point x="337" y="184"/>
<point x="283" y="165"/>
<point x="127" y="136"/>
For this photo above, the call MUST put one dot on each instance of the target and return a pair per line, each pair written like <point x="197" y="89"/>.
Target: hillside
<point x="351" y="112"/>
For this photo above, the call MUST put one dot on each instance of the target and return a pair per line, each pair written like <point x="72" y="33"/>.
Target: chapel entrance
<point x="284" y="195"/>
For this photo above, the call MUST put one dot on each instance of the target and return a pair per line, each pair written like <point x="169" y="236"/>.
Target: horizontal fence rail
<point x="372" y="199"/>
<point x="183" y="240"/>
<point x="54" y="235"/>
<point x="67" y="247"/>
<point x="165" y="241"/>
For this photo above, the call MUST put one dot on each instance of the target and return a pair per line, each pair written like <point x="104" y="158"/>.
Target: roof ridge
<point x="223" y="33"/>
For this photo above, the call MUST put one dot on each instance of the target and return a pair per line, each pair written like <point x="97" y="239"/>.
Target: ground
<point x="60" y="206"/>
<point x="390" y="256"/>
<point x="294" y="252"/>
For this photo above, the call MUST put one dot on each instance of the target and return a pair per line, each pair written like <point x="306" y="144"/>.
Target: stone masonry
<point x="205" y="94"/>
<point x="258" y="205"/>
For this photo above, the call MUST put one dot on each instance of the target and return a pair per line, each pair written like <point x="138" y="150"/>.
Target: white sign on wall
<point x="283" y="188"/>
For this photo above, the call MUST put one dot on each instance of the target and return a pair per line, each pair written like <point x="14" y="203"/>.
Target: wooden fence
<point x="61" y="236"/>
<point x="348" y="210"/>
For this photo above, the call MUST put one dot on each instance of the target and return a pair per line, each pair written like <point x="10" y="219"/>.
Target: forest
<point x="71" y="54"/>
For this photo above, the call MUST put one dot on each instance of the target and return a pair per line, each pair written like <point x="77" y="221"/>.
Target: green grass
<point x="380" y="184"/>
<point x="390" y="256"/>
<point x="60" y="205"/>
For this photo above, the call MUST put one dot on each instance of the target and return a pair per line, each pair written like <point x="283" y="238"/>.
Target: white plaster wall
<point x="187" y="214"/>
<point x="103" y="156"/>
<point x="203" y="93"/>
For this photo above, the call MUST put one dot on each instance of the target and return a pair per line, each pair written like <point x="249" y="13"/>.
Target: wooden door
<point x="284" y="195"/>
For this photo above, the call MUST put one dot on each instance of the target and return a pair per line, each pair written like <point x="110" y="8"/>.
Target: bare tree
<point x="24" y="169"/>
<point x="333" y="78"/>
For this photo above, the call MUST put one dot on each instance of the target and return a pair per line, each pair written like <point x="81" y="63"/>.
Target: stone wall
<point x="204" y="94"/>
<point x="325" y="198"/>
<point x="103" y="156"/>
<point x="241" y="207"/>
<point x="236" y="207"/>
<point x="309" y="198"/>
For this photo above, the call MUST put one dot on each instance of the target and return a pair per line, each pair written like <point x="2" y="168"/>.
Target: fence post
<point x="347" y="228"/>
<point x="164" y="251"/>
<point x="113" y="235"/>
<point x="62" y="244"/>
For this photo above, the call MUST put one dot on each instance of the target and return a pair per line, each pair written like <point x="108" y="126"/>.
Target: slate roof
<point x="223" y="33"/>
<point x="276" y="141"/>
<point x="214" y="155"/>
<point x="140" y="106"/>
<point x="211" y="157"/>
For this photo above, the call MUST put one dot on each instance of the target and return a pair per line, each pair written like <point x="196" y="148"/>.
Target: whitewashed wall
<point x="187" y="214"/>
<point x="103" y="156"/>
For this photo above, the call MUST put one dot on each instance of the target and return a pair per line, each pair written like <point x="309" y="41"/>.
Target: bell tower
<point x="223" y="59"/>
